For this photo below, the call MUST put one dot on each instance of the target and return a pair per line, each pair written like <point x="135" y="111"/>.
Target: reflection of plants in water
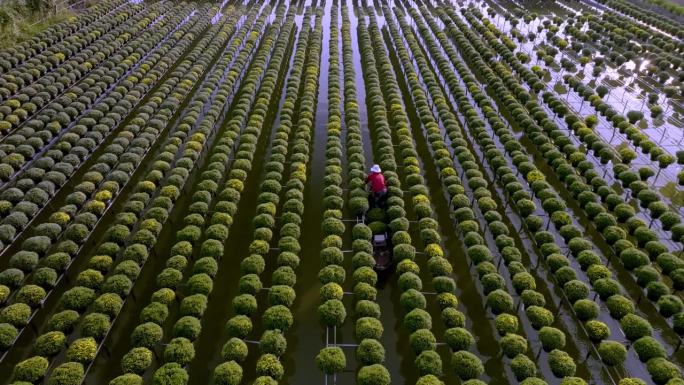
<point x="676" y="195"/>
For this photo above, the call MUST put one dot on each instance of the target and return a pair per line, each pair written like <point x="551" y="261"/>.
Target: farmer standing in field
<point x="377" y="184"/>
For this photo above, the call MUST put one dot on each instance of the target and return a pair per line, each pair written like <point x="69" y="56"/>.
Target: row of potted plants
<point x="15" y="56"/>
<point x="101" y="288"/>
<point x="645" y="237"/>
<point x="494" y="285"/>
<point x="600" y="277"/>
<point x="44" y="258"/>
<point x="466" y="365"/>
<point x="47" y="98"/>
<point x="190" y="270"/>
<point x="30" y="195"/>
<point x="19" y="84"/>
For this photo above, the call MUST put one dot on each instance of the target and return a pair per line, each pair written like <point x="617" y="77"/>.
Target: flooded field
<point x="184" y="195"/>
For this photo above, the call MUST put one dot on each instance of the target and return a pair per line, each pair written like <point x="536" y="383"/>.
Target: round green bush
<point x="127" y="379"/>
<point x="429" y="362"/>
<point x="466" y="365"/>
<point x="409" y="280"/>
<point x="31" y="295"/>
<point x="533" y="381"/>
<point x="273" y="342"/>
<point x="646" y="274"/>
<point x="513" y="344"/>
<point x="662" y="370"/>
<point x="452" y="317"/>
<point x="647" y="348"/>
<point x="573" y="381"/>
<point x="228" y="373"/>
<point x="429" y="379"/>
<point x="194" y="305"/>
<point x="669" y="305"/>
<point x="631" y="381"/>
<point x="370" y="352"/>
<point x="146" y="335"/>
<point x="239" y="326"/>
<point x="264" y="380"/>
<point x="50" y="343"/>
<point x="95" y="325"/>
<point x="136" y="361"/>
<point x="17" y="314"/>
<point x="199" y="284"/>
<point x="633" y="258"/>
<point x="491" y="282"/>
<point x="532" y="298"/>
<point x="421" y="340"/>
<point x="68" y="373"/>
<point x="656" y="289"/>
<point x="156" y="312"/>
<point x="678" y="323"/>
<point x="619" y="306"/>
<point x="31" y="369"/>
<point x="331" y="360"/>
<point x="63" y="321"/>
<point x="612" y="352"/>
<point x="108" y="303"/>
<point x="278" y="317"/>
<point x="234" y="349"/>
<point x="539" y="316"/>
<point x="179" y="350"/>
<point x="365" y="308"/>
<point x="597" y="330"/>
<point x="373" y="375"/>
<point x="82" y="350"/>
<point x="635" y="327"/>
<point x="458" y="339"/>
<point x="499" y="302"/>
<point x="523" y="367"/>
<point x="269" y="365"/>
<point x="78" y="298"/>
<point x="417" y="319"/>
<point x="506" y="323"/>
<point x="281" y="295"/>
<point x="606" y="287"/>
<point x="551" y="338"/>
<point x="524" y="281"/>
<point x="8" y="334"/>
<point x="562" y="365"/>
<point x="188" y="327"/>
<point x="412" y="299"/>
<point x="170" y="374"/>
<point x="576" y="290"/>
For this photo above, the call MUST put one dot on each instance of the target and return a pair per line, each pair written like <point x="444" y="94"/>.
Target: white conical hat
<point x="375" y="168"/>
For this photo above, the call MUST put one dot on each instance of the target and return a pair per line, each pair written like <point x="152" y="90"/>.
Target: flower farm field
<point x="182" y="194"/>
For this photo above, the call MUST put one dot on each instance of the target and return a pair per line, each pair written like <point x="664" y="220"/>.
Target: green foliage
<point x="136" y="361"/>
<point x="228" y="373"/>
<point x="466" y="365"/>
<point x="373" y="375"/>
<point x="31" y="369"/>
<point x="331" y="360"/>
